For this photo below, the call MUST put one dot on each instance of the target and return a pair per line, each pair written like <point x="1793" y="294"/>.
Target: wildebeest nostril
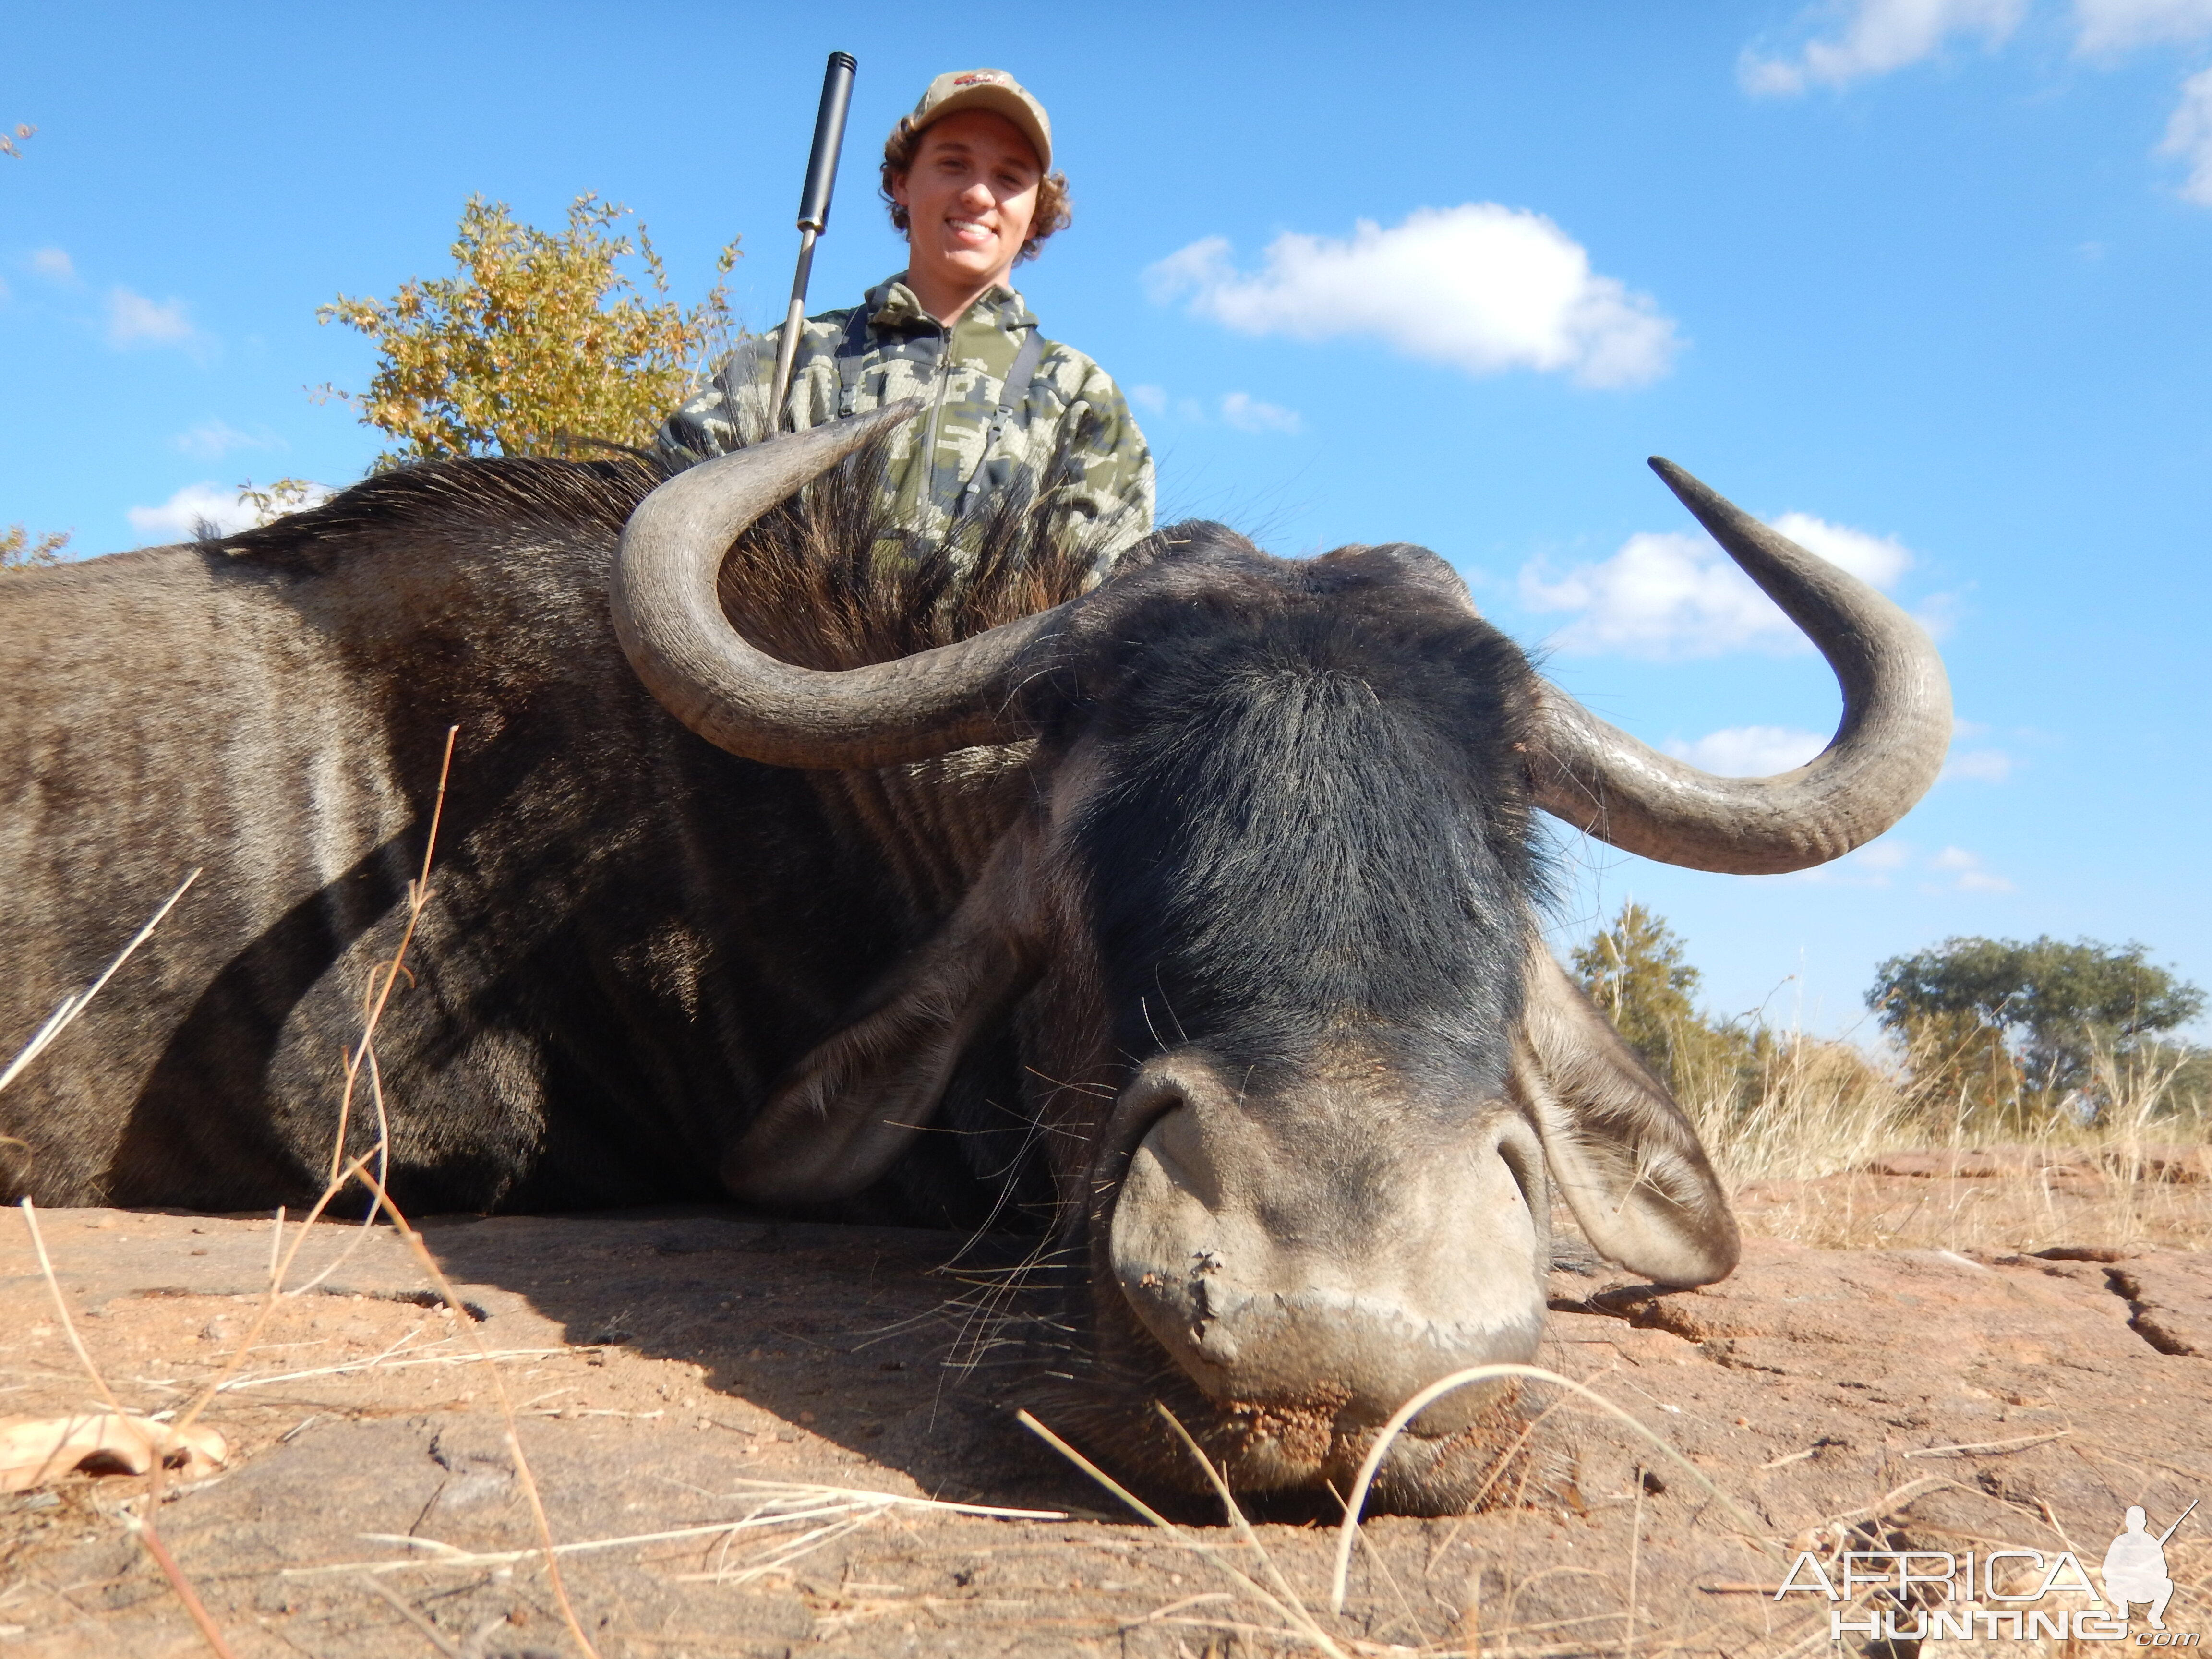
<point x="1276" y="1271"/>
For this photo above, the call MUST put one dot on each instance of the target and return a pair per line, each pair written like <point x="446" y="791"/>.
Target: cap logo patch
<point x="978" y="78"/>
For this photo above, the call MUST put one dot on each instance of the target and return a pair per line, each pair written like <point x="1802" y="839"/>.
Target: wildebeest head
<point x="1307" y="1073"/>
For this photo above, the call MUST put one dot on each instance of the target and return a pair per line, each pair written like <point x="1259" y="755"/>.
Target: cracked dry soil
<point x="670" y="1369"/>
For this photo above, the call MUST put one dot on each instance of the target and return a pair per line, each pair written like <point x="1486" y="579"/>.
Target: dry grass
<point x="826" y="1513"/>
<point x="1297" y="1622"/>
<point x="1809" y="1138"/>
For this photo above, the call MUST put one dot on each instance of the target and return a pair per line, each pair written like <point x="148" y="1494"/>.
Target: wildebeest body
<point x="633" y="933"/>
<point x="1192" y="920"/>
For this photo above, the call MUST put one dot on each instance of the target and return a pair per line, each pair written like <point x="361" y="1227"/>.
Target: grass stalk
<point x="1356" y="1500"/>
<point x="149" y="1534"/>
<point x="1207" y="1552"/>
<point x="71" y="1006"/>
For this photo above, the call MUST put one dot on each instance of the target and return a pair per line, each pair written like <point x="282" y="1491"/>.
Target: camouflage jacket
<point x="1069" y="437"/>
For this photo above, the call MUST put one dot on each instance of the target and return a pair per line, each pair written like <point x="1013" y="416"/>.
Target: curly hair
<point x="1053" y="212"/>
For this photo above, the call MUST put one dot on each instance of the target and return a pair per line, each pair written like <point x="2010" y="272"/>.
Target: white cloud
<point x="1878" y="37"/>
<point x="1877" y="559"/>
<point x="1966" y="872"/>
<point x="1247" y="414"/>
<point x="1665" y="593"/>
<point x="54" y="263"/>
<point x="133" y="319"/>
<point x="1238" y="409"/>
<point x="1982" y="765"/>
<point x="212" y="439"/>
<point x="205" y="505"/>
<point x="1875" y="37"/>
<point x="2109" y="27"/>
<point x="1883" y="857"/>
<point x="182" y="515"/>
<point x="1750" y="751"/>
<point x="1870" y="866"/>
<point x="2189" y="135"/>
<point x="2117" y="25"/>
<point x="185" y="513"/>
<point x="1761" y="751"/>
<point x="1672" y="593"/>
<point x="1954" y="870"/>
<point x="1483" y="288"/>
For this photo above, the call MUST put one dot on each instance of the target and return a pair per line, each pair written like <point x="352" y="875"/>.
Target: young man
<point x="969" y="177"/>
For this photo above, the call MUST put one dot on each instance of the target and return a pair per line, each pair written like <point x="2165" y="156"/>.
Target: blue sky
<point x="1932" y="275"/>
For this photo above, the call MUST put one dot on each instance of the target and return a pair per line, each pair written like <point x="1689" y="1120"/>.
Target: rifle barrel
<point x="814" y="211"/>
<point x="2178" y="1520"/>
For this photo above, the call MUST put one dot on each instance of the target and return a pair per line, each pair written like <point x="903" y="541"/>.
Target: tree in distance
<point x="1994" y="1040"/>
<point x="19" y="548"/>
<point x="537" y="342"/>
<point x="1636" y="968"/>
<point x="2046" y="1011"/>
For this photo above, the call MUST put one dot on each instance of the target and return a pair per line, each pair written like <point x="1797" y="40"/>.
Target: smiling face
<point x="970" y="196"/>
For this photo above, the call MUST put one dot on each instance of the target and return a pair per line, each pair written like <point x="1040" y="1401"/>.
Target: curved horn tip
<point x="883" y="415"/>
<point x="1679" y="479"/>
<point x="856" y="429"/>
<point x="1705" y="503"/>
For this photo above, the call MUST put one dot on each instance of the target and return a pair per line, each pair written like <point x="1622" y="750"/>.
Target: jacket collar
<point x="892" y="304"/>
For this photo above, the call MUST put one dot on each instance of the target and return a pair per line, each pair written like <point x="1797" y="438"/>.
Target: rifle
<point x="2176" y="1527"/>
<point x="813" y="211"/>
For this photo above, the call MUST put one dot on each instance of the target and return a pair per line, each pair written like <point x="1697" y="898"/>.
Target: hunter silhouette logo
<point x="1933" y="1596"/>
<point x="2135" y="1566"/>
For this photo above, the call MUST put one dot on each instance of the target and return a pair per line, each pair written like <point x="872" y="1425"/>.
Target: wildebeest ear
<point x="1406" y="561"/>
<point x="839" y="1118"/>
<point x="1619" y="1148"/>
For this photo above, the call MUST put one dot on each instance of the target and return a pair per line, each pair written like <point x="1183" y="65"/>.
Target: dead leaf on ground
<point x="37" y="1451"/>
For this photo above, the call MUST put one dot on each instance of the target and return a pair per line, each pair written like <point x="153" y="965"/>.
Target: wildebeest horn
<point x="671" y="623"/>
<point x="1896" y="728"/>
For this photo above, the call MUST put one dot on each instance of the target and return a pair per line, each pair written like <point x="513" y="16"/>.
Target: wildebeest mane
<point x="508" y="494"/>
<point x="827" y="580"/>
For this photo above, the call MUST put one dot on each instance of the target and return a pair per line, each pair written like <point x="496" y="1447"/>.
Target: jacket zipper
<point x="928" y="501"/>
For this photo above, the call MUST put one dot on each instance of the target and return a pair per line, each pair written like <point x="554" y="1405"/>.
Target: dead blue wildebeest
<point x="1201" y="906"/>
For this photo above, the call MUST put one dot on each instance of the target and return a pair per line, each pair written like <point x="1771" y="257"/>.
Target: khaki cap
<point x="990" y="90"/>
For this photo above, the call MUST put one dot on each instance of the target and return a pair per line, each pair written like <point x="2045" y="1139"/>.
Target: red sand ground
<point x="1862" y="1399"/>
